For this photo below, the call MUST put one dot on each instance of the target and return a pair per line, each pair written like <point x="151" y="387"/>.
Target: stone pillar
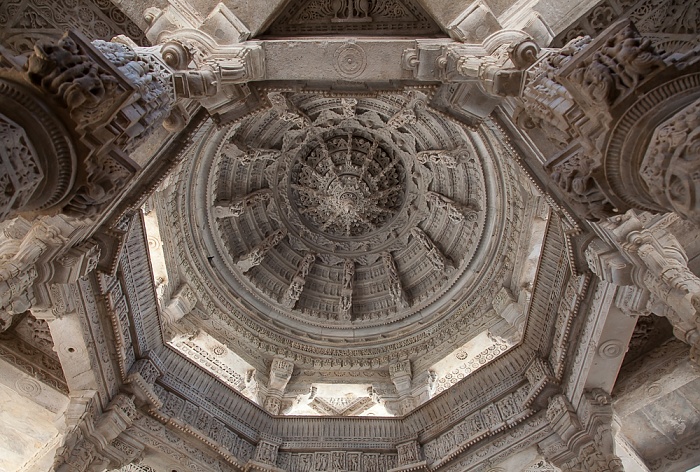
<point x="623" y="119"/>
<point x="512" y="314"/>
<point x="280" y="373"/>
<point x="653" y="270"/>
<point x="583" y="437"/>
<point x="401" y="376"/>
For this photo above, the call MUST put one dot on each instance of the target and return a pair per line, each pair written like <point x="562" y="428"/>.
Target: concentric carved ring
<point x="350" y="60"/>
<point x="28" y="387"/>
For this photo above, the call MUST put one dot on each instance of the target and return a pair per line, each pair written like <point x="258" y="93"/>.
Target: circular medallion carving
<point x="350" y="60"/>
<point x="611" y="349"/>
<point x="28" y="387"/>
<point x="219" y="350"/>
<point x="654" y="389"/>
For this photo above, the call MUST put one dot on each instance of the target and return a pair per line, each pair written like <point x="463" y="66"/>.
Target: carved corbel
<point x="97" y="441"/>
<point x="401" y="376"/>
<point x="511" y="313"/>
<point x="76" y="263"/>
<point x="499" y="74"/>
<point x="221" y="23"/>
<point x="215" y="73"/>
<point x="608" y="263"/>
<point x="258" y="253"/>
<point x="19" y="267"/>
<point x="474" y="24"/>
<point x="142" y="378"/>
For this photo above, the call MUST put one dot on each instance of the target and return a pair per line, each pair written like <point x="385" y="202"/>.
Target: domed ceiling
<point x="348" y="222"/>
<point x="345" y="233"/>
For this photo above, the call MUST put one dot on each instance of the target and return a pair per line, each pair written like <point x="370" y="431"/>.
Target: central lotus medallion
<point x="347" y="186"/>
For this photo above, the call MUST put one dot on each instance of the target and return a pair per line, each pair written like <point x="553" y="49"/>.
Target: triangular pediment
<point x="353" y="17"/>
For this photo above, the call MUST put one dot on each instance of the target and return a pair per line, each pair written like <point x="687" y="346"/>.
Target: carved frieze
<point x="337" y="460"/>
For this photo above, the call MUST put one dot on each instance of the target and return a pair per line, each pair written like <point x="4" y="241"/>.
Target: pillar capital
<point x="591" y="97"/>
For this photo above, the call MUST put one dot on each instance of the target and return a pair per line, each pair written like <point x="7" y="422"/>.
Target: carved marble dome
<point x="353" y="223"/>
<point x="349" y="236"/>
